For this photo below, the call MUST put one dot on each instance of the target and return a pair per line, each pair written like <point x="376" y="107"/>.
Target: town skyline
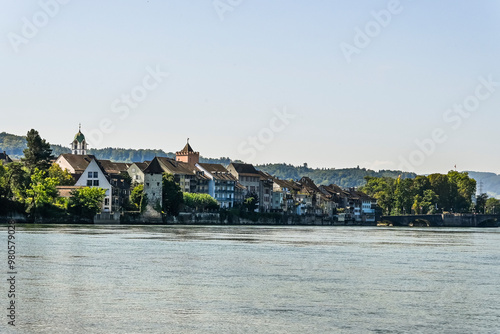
<point x="381" y="85"/>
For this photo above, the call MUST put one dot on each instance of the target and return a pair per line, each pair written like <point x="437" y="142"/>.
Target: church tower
<point x="79" y="144"/>
<point x="188" y="155"/>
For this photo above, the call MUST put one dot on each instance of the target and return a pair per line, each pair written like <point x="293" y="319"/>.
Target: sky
<point x="412" y="85"/>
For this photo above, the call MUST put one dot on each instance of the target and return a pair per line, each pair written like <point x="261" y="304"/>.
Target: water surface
<point x="237" y="279"/>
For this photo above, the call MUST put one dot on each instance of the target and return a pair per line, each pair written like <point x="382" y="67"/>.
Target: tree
<point x="251" y="202"/>
<point x="492" y="206"/>
<point x="382" y="189"/>
<point x="441" y="186"/>
<point x="63" y="177"/>
<point x="429" y="202"/>
<point x="462" y="190"/>
<point x="16" y="180"/>
<point x="86" y="202"/>
<point x="481" y="203"/>
<point x="172" y="195"/>
<point x="138" y="198"/>
<point x="403" y="196"/>
<point x="41" y="193"/>
<point x="200" y="202"/>
<point x="38" y="154"/>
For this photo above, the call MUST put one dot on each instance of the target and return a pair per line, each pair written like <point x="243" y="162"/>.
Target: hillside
<point x="347" y="177"/>
<point x="14" y="146"/>
<point x="490" y="183"/>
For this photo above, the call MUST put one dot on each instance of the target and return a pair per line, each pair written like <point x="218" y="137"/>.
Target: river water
<point x="237" y="279"/>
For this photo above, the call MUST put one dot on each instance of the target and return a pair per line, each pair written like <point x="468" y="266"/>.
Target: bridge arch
<point x="490" y="222"/>
<point x="420" y="222"/>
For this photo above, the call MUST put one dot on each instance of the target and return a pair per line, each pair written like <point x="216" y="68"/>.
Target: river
<point x="239" y="279"/>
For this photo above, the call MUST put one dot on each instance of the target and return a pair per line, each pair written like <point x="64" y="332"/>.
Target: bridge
<point x="445" y="219"/>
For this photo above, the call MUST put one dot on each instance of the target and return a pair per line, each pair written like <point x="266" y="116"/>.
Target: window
<point x="90" y="175"/>
<point x="158" y="184"/>
<point x="96" y="183"/>
<point x="95" y="175"/>
<point x="89" y="183"/>
<point x="106" y="201"/>
<point x="147" y="184"/>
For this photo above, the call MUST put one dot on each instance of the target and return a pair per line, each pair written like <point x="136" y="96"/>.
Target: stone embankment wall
<point x="216" y="219"/>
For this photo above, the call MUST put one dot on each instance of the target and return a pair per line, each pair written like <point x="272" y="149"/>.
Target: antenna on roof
<point x="188" y="140"/>
<point x="79" y="126"/>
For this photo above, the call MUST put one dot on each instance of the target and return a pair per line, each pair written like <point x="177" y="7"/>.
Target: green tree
<point x="420" y="184"/>
<point x="403" y="196"/>
<point x="172" y="195"/>
<point x="16" y="180"/>
<point x="481" y="203"/>
<point x="492" y="206"/>
<point x="441" y="186"/>
<point x="41" y="193"/>
<point x="429" y="202"/>
<point x="462" y="190"/>
<point x="251" y="202"/>
<point x="200" y="202"/>
<point x="138" y="198"/>
<point x="417" y="204"/>
<point x="86" y="202"/>
<point x="63" y="177"/>
<point x="382" y="189"/>
<point x="38" y="154"/>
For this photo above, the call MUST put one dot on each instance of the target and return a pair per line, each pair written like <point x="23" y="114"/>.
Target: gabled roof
<point x="218" y="171"/>
<point x="65" y="191"/>
<point x="245" y="169"/>
<point x="78" y="162"/>
<point x="291" y="185"/>
<point x="154" y="167"/>
<point x="265" y="176"/>
<point x="200" y="175"/>
<point x="111" y="167"/>
<point x="213" y="168"/>
<point x="308" y="185"/>
<point x="238" y="185"/>
<point x="175" y="167"/>
<point x="356" y="194"/>
<point x="142" y="165"/>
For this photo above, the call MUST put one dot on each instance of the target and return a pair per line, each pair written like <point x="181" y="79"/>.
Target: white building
<point x="94" y="176"/>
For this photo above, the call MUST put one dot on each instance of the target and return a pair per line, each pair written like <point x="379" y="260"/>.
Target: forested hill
<point x="346" y="177"/>
<point x="14" y="146"/>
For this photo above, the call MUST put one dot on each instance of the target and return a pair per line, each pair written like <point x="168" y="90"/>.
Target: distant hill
<point x="490" y="183"/>
<point x="14" y="146"/>
<point x="346" y="177"/>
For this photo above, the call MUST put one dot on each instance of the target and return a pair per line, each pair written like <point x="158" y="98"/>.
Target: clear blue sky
<point x="228" y="77"/>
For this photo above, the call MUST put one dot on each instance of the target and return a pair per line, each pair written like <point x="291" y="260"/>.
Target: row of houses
<point x="229" y="186"/>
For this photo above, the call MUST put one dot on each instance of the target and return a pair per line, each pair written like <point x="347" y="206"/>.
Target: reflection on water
<point x="210" y="279"/>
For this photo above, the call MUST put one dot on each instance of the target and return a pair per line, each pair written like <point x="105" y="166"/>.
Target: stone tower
<point x="188" y="155"/>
